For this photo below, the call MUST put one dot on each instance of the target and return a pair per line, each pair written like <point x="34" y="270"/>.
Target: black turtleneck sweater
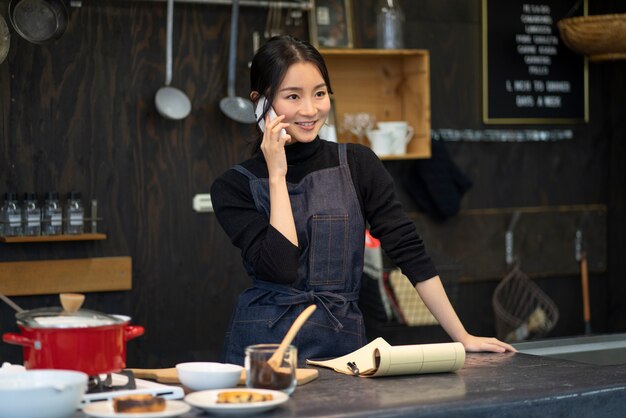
<point x="273" y="256"/>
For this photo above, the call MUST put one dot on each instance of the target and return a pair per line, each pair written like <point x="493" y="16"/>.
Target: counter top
<point x="510" y="384"/>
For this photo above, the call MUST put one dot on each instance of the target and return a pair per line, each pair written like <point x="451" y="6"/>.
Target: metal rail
<point x="306" y="5"/>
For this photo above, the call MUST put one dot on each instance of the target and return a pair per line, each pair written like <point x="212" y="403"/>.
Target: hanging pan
<point x="5" y="39"/>
<point x="39" y="21"/>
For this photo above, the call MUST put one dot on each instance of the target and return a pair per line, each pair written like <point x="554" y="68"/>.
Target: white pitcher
<point x="401" y="132"/>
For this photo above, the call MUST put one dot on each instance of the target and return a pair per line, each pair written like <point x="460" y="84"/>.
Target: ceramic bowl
<point x="208" y="375"/>
<point x="41" y="393"/>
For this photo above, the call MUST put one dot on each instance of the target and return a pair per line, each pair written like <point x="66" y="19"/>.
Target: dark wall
<point x="79" y="114"/>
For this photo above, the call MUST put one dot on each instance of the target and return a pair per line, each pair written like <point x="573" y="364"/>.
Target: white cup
<point x="401" y="133"/>
<point x="381" y="141"/>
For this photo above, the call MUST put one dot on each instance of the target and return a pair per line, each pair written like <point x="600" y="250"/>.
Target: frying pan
<point x="5" y="39"/>
<point x="39" y="21"/>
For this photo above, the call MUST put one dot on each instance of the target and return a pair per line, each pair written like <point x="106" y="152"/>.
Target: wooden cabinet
<point x="391" y="85"/>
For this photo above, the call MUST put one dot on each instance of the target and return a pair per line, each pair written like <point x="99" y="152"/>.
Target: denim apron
<point x="331" y="231"/>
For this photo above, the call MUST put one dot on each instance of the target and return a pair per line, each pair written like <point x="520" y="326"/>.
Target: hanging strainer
<point x="522" y="310"/>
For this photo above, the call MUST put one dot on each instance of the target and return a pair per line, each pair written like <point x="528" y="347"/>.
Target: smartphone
<point x="259" y="111"/>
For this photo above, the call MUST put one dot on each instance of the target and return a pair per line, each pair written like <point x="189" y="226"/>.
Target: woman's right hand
<point x="273" y="146"/>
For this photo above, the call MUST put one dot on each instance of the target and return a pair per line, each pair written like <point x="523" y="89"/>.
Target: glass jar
<point x="10" y="216"/>
<point x="389" y="25"/>
<point x="74" y="214"/>
<point x="31" y="215"/>
<point x="52" y="215"/>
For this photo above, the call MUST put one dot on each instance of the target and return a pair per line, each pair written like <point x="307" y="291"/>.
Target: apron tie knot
<point x="289" y="296"/>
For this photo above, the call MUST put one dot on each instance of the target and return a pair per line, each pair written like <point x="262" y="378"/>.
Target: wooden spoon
<point x="71" y="302"/>
<point x="270" y="371"/>
<point x="278" y="355"/>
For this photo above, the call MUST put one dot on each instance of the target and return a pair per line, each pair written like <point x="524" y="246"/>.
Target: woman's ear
<point x="254" y="96"/>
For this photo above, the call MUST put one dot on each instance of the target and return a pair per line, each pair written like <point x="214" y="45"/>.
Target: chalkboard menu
<point x="529" y="74"/>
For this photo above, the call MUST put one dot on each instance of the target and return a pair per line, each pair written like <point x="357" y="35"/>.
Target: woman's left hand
<point x="475" y="344"/>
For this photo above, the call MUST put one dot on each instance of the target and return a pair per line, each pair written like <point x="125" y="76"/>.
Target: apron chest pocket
<point x="329" y="235"/>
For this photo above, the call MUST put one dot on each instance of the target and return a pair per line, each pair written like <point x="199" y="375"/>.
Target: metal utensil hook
<point x="508" y="239"/>
<point x="578" y="245"/>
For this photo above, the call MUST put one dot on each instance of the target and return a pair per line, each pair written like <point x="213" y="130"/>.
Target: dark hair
<point x="273" y="59"/>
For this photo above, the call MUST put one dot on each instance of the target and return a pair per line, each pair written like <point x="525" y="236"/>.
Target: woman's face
<point x="303" y="98"/>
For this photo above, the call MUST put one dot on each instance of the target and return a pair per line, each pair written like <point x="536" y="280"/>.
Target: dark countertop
<point x="503" y="385"/>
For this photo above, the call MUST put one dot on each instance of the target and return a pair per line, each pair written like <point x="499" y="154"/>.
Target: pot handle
<point x="132" y="331"/>
<point x="19" y="339"/>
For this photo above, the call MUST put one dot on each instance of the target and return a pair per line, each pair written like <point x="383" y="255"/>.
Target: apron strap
<point x="244" y="171"/>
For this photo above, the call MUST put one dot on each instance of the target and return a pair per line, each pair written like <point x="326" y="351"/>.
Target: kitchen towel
<point x="436" y="184"/>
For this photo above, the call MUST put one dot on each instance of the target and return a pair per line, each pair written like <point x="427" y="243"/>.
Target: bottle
<point x="52" y="215"/>
<point x="10" y="216"/>
<point x="74" y="214"/>
<point x="31" y="215"/>
<point x="389" y="25"/>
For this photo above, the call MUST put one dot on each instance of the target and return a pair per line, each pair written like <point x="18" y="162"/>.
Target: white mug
<point x="381" y="141"/>
<point x="401" y="132"/>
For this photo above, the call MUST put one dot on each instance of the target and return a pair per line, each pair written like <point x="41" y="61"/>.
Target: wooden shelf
<point x="54" y="238"/>
<point x="46" y="277"/>
<point x="390" y="84"/>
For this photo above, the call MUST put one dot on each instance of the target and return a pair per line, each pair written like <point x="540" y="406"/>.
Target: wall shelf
<point x="54" y="238"/>
<point x="47" y="277"/>
<point x="390" y="84"/>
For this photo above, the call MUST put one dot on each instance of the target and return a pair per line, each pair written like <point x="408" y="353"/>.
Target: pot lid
<point x="56" y="318"/>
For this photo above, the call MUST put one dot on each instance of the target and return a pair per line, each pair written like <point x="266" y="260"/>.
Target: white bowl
<point x="207" y="375"/>
<point x="41" y="393"/>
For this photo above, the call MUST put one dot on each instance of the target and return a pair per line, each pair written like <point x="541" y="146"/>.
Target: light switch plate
<point x="202" y="203"/>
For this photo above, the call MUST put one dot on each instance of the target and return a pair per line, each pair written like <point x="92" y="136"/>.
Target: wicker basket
<point x="522" y="310"/>
<point x="600" y="37"/>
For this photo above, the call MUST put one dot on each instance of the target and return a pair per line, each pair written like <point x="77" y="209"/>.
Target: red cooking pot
<point x="86" y="341"/>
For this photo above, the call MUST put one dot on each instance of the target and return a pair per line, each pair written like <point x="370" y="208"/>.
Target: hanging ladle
<point x="171" y="102"/>
<point x="236" y="108"/>
<point x="12" y="304"/>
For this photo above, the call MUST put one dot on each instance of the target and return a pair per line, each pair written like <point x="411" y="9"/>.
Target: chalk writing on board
<point x="530" y="76"/>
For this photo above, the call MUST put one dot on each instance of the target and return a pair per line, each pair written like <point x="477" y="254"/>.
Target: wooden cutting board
<point x="171" y="376"/>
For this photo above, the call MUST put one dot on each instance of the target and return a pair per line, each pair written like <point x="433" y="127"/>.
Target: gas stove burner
<point x="97" y="384"/>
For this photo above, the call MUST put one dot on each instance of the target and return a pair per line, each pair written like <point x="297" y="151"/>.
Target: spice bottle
<point x="74" y="214"/>
<point x="52" y="215"/>
<point x="31" y="215"/>
<point x="10" y="217"/>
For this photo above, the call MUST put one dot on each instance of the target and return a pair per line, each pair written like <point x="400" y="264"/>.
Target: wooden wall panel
<point x="79" y="114"/>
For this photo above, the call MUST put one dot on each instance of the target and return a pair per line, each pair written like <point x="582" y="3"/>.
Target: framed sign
<point x="330" y="24"/>
<point x="529" y="74"/>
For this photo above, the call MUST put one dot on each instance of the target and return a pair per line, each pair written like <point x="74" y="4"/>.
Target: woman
<point x="297" y="210"/>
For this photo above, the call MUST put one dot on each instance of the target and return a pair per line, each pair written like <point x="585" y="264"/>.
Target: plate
<point x="105" y="410"/>
<point x="207" y="400"/>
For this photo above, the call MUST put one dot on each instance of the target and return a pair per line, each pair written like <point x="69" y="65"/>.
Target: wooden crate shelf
<point x="390" y="84"/>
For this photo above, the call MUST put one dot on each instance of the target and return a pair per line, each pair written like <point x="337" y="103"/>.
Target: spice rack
<point x="390" y="84"/>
